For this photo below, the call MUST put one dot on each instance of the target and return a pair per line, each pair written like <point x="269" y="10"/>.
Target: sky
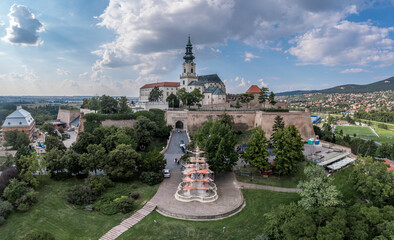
<point x="113" y="47"/>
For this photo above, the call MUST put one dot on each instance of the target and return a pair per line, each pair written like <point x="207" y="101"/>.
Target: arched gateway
<point x="179" y="125"/>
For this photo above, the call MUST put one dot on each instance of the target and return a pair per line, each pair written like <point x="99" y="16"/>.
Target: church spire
<point x="189" y="54"/>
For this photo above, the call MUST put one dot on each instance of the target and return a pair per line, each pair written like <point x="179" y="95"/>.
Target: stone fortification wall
<point x="118" y="123"/>
<point x="301" y="120"/>
<point x="243" y="120"/>
<point x="67" y="116"/>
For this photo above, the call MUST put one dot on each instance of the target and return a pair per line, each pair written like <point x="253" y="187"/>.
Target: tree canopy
<point x="257" y="151"/>
<point x="288" y="148"/>
<point x="155" y="95"/>
<point x="218" y="140"/>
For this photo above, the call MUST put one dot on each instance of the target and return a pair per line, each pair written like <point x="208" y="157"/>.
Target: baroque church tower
<point x="189" y="67"/>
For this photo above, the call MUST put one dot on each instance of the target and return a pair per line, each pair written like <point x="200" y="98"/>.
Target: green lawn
<point x="247" y="224"/>
<point x="272" y="180"/>
<point x="366" y="133"/>
<point x="53" y="214"/>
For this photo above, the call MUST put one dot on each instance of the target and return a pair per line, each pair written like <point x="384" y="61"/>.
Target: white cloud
<point x="354" y="70"/>
<point x="151" y="35"/>
<point x="242" y="84"/>
<point x="345" y="43"/>
<point x="215" y="50"/>
<point x="262" y="83"/>
<point x="24" y="27"/>
<point x="82" y="75"/>
<point x="249" y="56"/>
<point x="62" y="72"/>
<point x="2" y="53"/>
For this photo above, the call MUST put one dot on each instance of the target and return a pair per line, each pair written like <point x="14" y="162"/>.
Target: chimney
<point x="18" y="107"/>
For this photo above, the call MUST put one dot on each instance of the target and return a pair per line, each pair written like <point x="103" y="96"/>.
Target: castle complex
<point x="211" y="86"/>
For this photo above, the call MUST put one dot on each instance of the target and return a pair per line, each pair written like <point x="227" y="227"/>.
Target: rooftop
<point x="254" y="89"/>
<point x="19" y="118"/>
<point x="161" y="84"/>
<point x="212" y="78"/>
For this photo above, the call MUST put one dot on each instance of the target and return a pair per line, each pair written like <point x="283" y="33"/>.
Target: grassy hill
<point x="384" y="85"/>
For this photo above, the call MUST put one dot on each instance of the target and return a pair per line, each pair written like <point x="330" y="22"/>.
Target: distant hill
<point x="384" y="85"/>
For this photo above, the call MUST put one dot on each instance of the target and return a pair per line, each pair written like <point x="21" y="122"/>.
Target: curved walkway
<point x="243" y="185"/>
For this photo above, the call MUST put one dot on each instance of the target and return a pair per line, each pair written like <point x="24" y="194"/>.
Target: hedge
<point x="274" y="110"/>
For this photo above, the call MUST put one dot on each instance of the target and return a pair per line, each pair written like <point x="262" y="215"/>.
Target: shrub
<point x="135" y="196"/>
<point x="39" y="235"/>
<point x="108" y="208"/>
<point x="98" y="183"/>
<point x="25" y="202"/>
<point x="151" y="178"/>
<point x="80" y="195"/>
<point x="124" y="204"/>
<point x="2" y="220"/>
<point x="15" y="190"/>
<point x="6" y="176"/>
<point x="5" y="209"/>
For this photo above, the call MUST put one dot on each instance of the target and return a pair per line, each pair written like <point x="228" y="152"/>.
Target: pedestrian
<point x="175" y="160"/>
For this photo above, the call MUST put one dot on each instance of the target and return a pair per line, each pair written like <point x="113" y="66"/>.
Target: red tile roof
<point x="161" y="84"/>
<point x="391" y="164"/>
<point x="254" y="89"/>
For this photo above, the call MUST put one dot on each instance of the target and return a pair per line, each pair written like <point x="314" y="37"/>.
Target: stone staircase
<point x="129" y="222"/>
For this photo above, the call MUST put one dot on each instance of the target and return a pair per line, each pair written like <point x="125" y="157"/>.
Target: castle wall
<point x="301" y="120"/>
<point x="243" y="120"/>
<point x="118" y="123"/>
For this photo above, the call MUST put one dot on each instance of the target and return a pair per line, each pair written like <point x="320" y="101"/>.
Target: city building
<point x="211" y="86"/>
<point x="20" y="120"/>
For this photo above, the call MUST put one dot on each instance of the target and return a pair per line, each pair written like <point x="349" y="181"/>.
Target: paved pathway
<point x="128" y="223"/>
<point x="174" y="151"/>
<point x="265" y="187"/>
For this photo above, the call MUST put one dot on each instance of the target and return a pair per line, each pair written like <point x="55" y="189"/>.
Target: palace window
<point x="192" y="70"/>
<point x="184" y="70"/>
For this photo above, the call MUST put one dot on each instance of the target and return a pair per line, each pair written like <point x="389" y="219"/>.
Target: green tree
<point x="54" y="162"/>
<point x="155" y="95"/>
<point x="263" y="95"/>
<point x="288" y="149"/>
<point x="271" y="99"/>
<point x="145" y="129"/>
<point x="257" y="151"/>
<point x="52" y="142"/>
<point x="94" y="159"/>
<point x="278" y="124"/>
<point x="16" y="139"/>
<point x="173" y="101"/>
<point x="15" y="190"/>
<point x="218" y="141"/>
<point x="108" y="105"/>
<point x="23" y="151"/>
<point x="119" y="137"/>
<point x="385" y="150"/>
<point x="190" y="98"/>
<point x="72" y="161"/>
<point x="84" y="140"/>
<point x="153" y="161"/>
<point x="94" y="104"/>
<point x="123" y="106"/>
<point x="29" y="167"/>
<point x="374" y="183"/>
<point x="317" y="190"/>
<point x="246" y="98"/>
<point x="121" y="162"/>
<point x="49" y="128"/>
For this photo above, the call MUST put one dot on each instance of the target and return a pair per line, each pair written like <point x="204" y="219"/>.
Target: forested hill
<point x="384" y="85"/>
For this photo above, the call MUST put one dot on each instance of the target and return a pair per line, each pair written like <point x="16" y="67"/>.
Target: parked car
<point x="167" y="173"/>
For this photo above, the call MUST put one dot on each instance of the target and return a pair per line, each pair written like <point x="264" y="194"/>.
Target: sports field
<point x="383" y="136"/>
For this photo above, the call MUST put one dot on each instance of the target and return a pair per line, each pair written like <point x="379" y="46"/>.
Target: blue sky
<point x="81" y="47"/>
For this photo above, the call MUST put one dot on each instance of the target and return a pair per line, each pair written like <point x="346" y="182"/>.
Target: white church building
<point x="211" y="86"/>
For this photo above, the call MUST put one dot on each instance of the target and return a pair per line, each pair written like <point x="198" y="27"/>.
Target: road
<point x="174" y="151"/>
<point x="71" y="140"/>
